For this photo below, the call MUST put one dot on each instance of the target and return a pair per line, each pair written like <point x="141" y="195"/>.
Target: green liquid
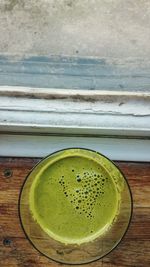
<point x="74" y="199"/>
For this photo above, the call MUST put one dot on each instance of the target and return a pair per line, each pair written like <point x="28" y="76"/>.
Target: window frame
<point x="101" y="112"/>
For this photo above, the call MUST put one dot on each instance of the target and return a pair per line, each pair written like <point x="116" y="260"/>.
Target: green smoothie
<point x="73" y="198"/>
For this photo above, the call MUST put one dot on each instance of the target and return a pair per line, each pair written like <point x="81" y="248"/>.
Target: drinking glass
<point x="87" y="251"/>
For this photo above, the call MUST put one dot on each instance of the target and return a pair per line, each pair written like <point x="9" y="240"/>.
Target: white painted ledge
<point x="35" y="122"/>
<point x="41" y="146"/>
<point x="57" y="111"/>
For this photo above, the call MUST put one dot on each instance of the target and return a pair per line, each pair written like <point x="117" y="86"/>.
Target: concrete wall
<point x="97" y="28"/>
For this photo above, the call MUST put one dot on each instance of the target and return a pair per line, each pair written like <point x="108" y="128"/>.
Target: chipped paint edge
<point x="76" y="112"/>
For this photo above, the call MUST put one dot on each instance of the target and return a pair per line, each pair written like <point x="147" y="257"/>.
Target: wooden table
<point x="15" y="249"/>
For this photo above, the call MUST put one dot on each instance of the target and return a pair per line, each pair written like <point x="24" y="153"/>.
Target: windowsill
<point x="83" y="112"/>
<point x="36" y="122"/>
<point x="102" y="104"/>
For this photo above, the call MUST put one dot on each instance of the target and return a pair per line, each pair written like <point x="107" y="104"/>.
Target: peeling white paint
<point x="74" y="112"/>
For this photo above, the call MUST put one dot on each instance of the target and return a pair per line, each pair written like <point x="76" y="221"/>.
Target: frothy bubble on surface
<point x="85" y="198"/>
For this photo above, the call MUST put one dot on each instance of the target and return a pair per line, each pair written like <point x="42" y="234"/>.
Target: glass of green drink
<point x="75" y="206"/>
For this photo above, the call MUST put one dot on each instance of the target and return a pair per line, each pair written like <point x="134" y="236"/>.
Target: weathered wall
<point x="100" y="28"/>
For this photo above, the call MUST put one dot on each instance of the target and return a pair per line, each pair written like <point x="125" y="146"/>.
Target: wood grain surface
<point x="15" y="249"/>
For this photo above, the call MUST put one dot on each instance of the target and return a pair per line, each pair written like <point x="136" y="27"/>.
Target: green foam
<point x="74" y="199"/>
